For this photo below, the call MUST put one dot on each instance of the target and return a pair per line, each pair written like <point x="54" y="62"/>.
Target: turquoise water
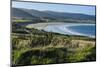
<point x="73" y="29"/>
<point x="84" y="29"/>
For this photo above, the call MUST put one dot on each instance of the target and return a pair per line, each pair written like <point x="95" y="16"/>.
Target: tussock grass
<point x="42" y="47"/>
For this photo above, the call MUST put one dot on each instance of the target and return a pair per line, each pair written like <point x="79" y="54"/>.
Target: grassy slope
<point x="40" y="47"/>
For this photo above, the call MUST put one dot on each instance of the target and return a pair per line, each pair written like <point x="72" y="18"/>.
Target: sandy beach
<point x="44" y="24"/>
<point x="59" y="27"/>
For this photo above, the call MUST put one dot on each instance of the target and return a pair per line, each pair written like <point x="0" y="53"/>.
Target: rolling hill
<point x="23" y="13"/>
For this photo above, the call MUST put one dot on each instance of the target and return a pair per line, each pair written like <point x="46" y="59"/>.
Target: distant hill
<point x="39" y="14"/>
<point x="71" y="15"/>
<point x="51" y="15"/>
<point x="21" y="14"/>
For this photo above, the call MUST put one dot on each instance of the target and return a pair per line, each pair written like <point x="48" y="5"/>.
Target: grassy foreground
<point x="40" y="47"/>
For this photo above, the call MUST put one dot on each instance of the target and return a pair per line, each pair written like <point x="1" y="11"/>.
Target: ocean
<point x="73" y="29"/>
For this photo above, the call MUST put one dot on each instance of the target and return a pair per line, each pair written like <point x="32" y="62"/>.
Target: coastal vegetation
<point x="33" y="46"/>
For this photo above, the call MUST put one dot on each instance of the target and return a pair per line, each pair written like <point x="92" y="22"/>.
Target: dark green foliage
<point x="92" y="55"/>
<point x="54" y="55"/>
<point x="82" y="55"/>
<point x="50" y="55"/>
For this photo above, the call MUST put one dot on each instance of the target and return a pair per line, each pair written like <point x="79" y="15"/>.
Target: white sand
<point x="59" y="27"/>
<point x="43" y="25"/>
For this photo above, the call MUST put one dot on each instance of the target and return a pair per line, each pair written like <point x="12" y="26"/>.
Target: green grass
<point x="53" y="55"/>
<point x="42" y="47"/>
<point x="23" y="20"/>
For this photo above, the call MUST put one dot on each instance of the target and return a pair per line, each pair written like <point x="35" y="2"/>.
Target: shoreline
<point x="44" y="24"/>
<point x="63" y="27"/>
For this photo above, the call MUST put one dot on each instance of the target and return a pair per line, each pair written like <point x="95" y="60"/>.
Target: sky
<point x="90" y="10"/>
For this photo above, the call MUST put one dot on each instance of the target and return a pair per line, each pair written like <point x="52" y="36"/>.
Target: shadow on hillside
<point x="52" y="55"/>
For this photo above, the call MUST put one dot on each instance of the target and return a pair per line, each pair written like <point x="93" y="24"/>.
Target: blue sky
<point x="90" y="10"/>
